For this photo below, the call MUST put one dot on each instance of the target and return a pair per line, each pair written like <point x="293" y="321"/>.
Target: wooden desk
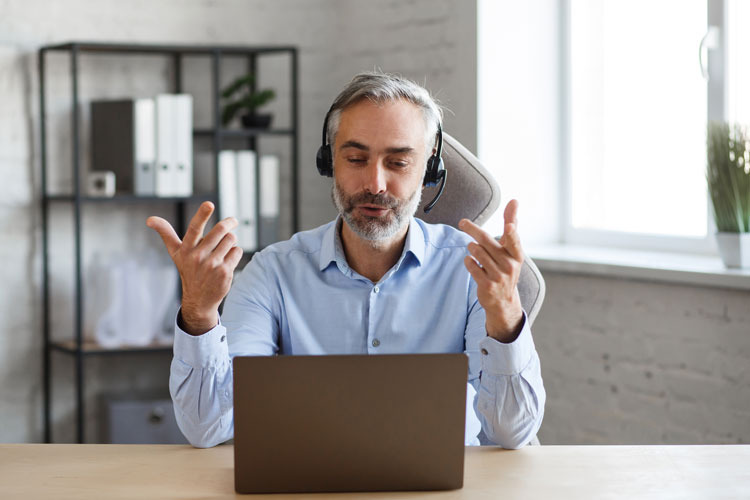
<point x="160" y="471"/>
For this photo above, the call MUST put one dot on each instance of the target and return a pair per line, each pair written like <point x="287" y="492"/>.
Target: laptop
<point x="349" y="423"/>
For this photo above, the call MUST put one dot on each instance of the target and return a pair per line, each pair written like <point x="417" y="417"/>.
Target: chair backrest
<point x="472" y="193"/>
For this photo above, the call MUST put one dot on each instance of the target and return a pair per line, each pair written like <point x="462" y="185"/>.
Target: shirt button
<point x="484" y="351"/>
<point x="223" y="338"/>
<point x="375" y="343"/>
<point x="376" y="289"/>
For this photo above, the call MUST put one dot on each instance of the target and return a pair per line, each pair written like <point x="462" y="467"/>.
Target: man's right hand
<point x="206" y="265"/>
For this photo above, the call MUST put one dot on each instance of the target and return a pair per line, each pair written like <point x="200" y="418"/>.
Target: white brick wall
<point x="430" y="41"/>
<point x="631" y="362"/>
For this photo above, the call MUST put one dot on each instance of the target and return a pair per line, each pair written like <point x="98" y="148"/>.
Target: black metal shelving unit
<point x="76" y="347"/>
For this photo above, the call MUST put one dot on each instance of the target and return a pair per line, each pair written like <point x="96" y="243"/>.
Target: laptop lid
<point x="349" y="422"/>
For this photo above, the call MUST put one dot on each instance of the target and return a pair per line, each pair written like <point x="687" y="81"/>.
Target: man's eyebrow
<point x="354" y="144"/>
<point x="390" y="151"/>
<point x="404" y="149"/>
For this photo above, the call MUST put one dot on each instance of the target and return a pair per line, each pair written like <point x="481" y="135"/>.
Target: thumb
<point x="167" y="233"/>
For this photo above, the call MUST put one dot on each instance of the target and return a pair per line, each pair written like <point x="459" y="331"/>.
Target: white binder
<point x="182" y="109"/>
<point x="269" y="199"/>
<point x="228" y="185"/>
<point x="248" y="219"/>
<point x="269" y="183"/>
<point x="144" y="123"/>
<point x="164" y="184"/>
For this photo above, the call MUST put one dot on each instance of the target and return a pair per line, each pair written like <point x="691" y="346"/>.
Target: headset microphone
<point x="431" y="204"/>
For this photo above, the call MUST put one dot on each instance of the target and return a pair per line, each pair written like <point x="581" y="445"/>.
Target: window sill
<point x="700" y="270"/>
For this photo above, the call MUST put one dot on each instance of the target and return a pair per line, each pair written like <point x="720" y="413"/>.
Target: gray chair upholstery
<point x="472" y="193"/>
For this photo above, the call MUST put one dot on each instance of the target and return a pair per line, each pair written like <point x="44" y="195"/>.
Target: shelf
<point x="210" y="137"/>
<point x="93" y="348"/>
<point x="241" y="133"/>
<point x="168" y="49"/>
<point x="131" y="198"/>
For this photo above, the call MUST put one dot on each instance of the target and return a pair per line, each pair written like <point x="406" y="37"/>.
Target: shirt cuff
<point x="507" y="359"/>
<point x="199" y="351"/>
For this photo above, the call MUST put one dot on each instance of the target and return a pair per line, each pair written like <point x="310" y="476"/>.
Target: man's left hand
<point x="496" y="266"/>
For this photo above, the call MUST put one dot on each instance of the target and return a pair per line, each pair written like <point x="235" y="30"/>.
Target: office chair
<point x="472" y="193"/>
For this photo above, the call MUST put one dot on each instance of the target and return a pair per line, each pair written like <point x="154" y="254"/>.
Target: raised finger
<point x="167" y="233"/>
<point x="224" y="246"/>
<point x="214" y="236"/>
<point x="233" y="257"/>
<point x="480" y="235"/>
<point x="488" y="263"/>
<point x="197" y="224"/>
<point x="510" y="239"/>
<point x="476" y="272"/>
<point x="512" y="242"/>
<point x="510" y="214"/>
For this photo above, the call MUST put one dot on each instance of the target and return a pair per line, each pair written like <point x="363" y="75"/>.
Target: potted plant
<point x="241" y="96"/>
<point x="728" y="178"/>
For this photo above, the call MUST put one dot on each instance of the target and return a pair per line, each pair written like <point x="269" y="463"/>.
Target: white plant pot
<point x="734" y="249"/>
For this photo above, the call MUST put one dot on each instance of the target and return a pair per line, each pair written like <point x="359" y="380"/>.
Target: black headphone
<point x="434" y="173"/>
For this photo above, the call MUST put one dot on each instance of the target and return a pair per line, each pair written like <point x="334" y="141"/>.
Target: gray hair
<point x="384" y="87"/>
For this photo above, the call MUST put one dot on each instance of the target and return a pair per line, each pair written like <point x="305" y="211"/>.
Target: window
<point x="738" y="66"/>
<point x="628" y="159"/>
<point x="636" y="120"/>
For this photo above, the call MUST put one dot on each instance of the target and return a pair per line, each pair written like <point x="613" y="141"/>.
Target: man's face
<point x="379" y="162"/>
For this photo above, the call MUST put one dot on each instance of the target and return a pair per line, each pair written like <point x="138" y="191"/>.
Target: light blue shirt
<point x="301" y="297"/>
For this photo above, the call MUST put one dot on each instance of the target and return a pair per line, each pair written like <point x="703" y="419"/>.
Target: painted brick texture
<point x="631" y="362"/>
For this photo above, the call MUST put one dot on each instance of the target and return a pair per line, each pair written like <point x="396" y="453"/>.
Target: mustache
<point x="380" y="200"/>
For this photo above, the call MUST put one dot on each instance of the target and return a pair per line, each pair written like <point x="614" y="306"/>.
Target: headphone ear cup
<point x="324" y="161"/>
<point x="429" y="174"/>
<point x="433" y="174"/>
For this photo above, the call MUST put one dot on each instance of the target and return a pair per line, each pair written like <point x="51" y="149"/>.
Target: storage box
<point x="141" y="421"/>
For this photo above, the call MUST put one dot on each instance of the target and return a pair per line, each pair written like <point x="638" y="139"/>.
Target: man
<point x="375" y="280"/>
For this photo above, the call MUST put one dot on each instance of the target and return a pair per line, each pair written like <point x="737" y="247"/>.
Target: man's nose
<point x="375" y="177"/>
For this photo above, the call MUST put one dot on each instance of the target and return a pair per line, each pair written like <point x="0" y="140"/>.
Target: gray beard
<point x="373" y="228"/>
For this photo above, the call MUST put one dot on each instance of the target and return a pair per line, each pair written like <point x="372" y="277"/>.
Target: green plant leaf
<point x="237" y="84"/>
<point x="727" y="150"/>
<point x="230" y="110"/>
<point x="239" y="96"/>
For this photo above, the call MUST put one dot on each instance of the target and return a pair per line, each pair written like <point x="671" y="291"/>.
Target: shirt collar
<point x="332" y="250"/>
<point x="415" y="241"/>
<point x="331" y="240"/>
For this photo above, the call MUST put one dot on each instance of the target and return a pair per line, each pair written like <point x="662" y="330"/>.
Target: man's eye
<point x="356" y="160"/>
<point x="399" y="164"/>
